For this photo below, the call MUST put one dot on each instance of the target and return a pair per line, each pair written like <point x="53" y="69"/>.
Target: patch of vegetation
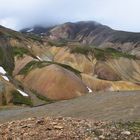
<point x="20" y="51"/>
<point x="85" y="50"/>
<point x="115" y="53"/>
<point x="47" y="100"/>
<point x="77" y="72"/>
<point x="101" y="54"/>
<point x="32" y="65"/>
<point x="131" y="126"/>
<point x="35" y="37"/>
<point x="10" y="33"/>
<point x="18" y="99"/>
<point x="59" y="43"/>
<point x="4" y="102"/>
<point x="2" y="58"/>
<point x="39" y="64"/>
<point x="1" y="55"/>
<point x="6" y="60"/>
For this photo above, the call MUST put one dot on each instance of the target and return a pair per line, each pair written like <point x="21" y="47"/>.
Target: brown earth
<point x="48" y="82"/>
<point x="62" y="55"/>
<point x="103" y="85"/>
<point x="21" y="63"/>
<point x="125" y="71"/>
<point x="54" y="82"/>
<point x="103" y="71"/>
<point x="84" y="64"/>
<point x="56" y="128"/>
<point x="128" y="69"/>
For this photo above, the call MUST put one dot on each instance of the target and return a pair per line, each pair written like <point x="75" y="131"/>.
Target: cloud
<point x="9" y="22"/>
<point x="120" y="14"/>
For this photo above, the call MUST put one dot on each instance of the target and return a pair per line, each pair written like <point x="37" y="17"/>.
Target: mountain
<point x="43" y="65"/>
<point x="42" y="70"/>
<point x="36" y="30"/>
<point x="91" y="33"/>
<point x="19" y="52"/>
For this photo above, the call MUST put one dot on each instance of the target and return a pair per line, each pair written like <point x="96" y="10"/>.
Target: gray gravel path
<point x="104" y="106"/>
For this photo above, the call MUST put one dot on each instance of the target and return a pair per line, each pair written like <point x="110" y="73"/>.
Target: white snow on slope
<point x="89" y="90"/>
<point x="29" y="47"/>
<point x="2" y="70"/>
<point x="22" y="93"/>
<point x="39" y="58"/>
<point x="30" y="30"/>
<point x="5" y="78"/>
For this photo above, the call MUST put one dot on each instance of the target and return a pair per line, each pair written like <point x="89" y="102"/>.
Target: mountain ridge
<point x="30" y="61"/>
<point x="80" y="26"/>
<point x="92" y="33"/>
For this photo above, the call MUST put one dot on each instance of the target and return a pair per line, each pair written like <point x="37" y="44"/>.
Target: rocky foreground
<point x="59" y="128"/>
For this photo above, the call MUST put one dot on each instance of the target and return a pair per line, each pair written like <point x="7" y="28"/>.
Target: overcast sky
<point x="118" y="14"/>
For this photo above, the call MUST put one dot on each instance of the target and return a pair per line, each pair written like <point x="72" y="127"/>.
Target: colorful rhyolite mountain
<point x="40" y="65"/>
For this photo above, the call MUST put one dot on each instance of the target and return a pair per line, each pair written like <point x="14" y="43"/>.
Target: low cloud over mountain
<point x="122" y="15"/>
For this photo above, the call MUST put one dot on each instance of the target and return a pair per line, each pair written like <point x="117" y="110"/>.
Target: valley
<point x="80" y="70"/>
<point x="56" y="65"/>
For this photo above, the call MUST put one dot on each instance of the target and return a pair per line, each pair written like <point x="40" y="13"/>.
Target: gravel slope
<point x="112" y="106"/>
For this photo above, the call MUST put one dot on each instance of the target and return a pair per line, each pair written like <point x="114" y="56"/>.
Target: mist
<point x="120" y="15"/>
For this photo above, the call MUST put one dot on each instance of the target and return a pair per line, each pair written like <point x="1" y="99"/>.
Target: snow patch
<point x="30" y="30"/>
<point x="2" y="70"/>
<point x="5" y="78"/>
<point x="39" y="58"/>
<point x="42" y="33"/>
<point x="29" y="47"/>
<point x="22" y="93"/>
<point x="89" y="90"/>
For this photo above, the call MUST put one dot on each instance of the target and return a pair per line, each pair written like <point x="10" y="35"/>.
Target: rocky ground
<point x="60" y="128"/>
<point x="77" y="121"/>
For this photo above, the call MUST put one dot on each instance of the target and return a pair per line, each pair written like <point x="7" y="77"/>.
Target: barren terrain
<point x="112" y="106"/>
